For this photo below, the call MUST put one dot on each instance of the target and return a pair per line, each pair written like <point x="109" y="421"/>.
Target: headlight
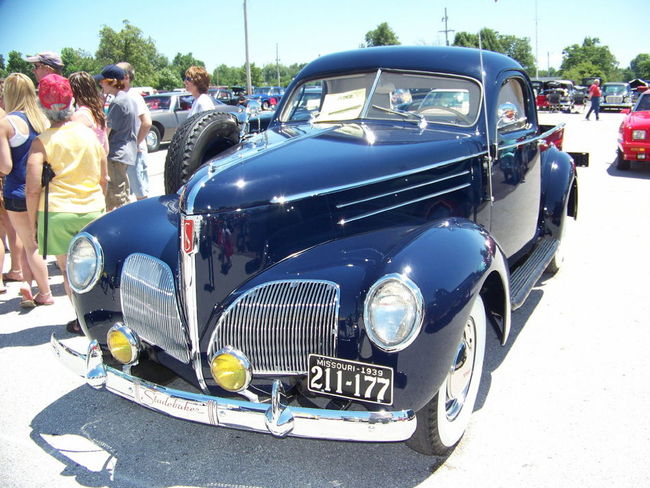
<point x="123" y="344"/>
<point x="393" y="312"/>
<point x="85" y="262"/>
<point x="231" y="369"/>
<point x="638" y="135"/>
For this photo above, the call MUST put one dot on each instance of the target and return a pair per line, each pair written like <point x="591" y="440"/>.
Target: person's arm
<point x="145" y="125"/>
<point x="33" y="180"/>
<point x="6" y="131"/>
<point x="103" y="176"/>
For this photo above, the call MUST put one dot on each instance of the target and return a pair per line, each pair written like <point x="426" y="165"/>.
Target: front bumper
<point x="275" y="418"/>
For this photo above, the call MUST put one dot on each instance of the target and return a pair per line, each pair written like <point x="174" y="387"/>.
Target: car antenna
<point x="488" y="161"/>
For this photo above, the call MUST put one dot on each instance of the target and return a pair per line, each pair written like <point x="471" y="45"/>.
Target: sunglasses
<point x="37" y="66"/>
<point x="187" y="78"/>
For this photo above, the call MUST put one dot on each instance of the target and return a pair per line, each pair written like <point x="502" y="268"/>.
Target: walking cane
<point x="47" y="175"/>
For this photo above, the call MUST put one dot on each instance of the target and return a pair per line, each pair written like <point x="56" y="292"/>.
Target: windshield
<point x="643" y="104"/>
<point x="386" y="96"/>
<point x="614" y="90"/>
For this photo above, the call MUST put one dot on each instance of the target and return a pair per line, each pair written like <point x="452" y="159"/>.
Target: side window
<point x="511" y="108"/>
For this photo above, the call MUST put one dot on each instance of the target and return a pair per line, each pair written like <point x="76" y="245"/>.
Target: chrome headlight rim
<point x="418" y="300"/>
<point x="99" y="262"/>
<point x="131" y="337"/>
<point x="241" y="357"/>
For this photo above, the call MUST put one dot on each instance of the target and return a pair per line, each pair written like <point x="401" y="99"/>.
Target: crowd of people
<point x="65" y="160"/>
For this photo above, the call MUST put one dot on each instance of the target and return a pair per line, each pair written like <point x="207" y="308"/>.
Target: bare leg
<point x="34" y="262"/>
<point x="15" y="246"/>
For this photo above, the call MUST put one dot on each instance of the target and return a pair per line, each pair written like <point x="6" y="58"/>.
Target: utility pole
<point x="536" y="45"/>
<point x="249" y="85"/>
<point x="277" y="63"/>
<point x="446" y="31"/>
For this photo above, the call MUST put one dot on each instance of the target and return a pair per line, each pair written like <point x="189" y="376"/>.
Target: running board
<point x="526" y="275"/>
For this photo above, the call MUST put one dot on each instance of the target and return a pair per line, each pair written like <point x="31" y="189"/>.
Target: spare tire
<point x="198" y="139"/>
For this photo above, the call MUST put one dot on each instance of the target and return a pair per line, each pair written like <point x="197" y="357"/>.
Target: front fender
<point x="559" y="190"/>
<point x="148" y="226"/>
<point x="448" y="260"/>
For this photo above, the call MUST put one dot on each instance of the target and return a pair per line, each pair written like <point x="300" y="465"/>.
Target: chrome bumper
<point x="275" y="418"/>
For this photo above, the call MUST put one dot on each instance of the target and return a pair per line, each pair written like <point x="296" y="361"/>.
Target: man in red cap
<point x="46" y="63"/>
<point x="78" y="161"/>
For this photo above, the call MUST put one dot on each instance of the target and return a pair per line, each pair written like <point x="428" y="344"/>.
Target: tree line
<point x="591" y="59"/>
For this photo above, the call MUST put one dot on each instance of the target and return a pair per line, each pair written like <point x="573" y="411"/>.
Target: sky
<point x="297" y="31"/>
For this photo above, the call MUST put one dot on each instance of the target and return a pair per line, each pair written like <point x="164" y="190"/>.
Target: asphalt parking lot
<point x="563" y="404"/>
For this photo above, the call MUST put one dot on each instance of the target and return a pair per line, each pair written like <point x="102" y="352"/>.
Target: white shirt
<point x="201" y="104"/>
<point x="142" y="109"/>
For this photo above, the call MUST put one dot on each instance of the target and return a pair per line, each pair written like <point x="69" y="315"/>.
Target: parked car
<point x="268" y="96"/>
<point x="334" y="276"/>
<point x="634" y="134"/>
<point x="615" y="95"/>
<point x="559" y="95"/>
<point x="169" y="110"/>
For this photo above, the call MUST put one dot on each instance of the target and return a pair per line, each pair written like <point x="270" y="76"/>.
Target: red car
<point x="634" y="134"/>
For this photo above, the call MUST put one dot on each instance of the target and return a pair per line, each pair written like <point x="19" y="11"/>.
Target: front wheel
<point x="153" y="139"/>
<point x="621" y="163"/>
<point x="442" y="421"/>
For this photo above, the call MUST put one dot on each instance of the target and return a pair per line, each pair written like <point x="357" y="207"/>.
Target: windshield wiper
<point x="422" y="122"/>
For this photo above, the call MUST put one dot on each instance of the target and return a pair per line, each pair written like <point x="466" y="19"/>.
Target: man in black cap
<point x="46" y="63"/>
<point x="122" y="145"/>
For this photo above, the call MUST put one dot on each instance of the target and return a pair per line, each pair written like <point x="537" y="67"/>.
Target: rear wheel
<point x="621" y="163"/>
<point x="200" y="138"/>
<point x="442" y="421"/>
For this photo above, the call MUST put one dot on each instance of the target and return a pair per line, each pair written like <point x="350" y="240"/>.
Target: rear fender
<point x="559" y="190"/>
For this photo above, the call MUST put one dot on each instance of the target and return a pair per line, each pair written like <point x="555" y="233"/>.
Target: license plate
<point x="350" y="379"/>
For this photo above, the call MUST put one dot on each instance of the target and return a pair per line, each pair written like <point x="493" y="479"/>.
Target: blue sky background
<point x="302" y="29"/>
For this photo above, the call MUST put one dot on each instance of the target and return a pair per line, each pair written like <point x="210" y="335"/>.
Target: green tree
<point x="181" y="62"/>
<point x="586" y="69"/>
<point x="3" y="73"/>
<point x="129" y="45"/>
<point x="168" y="79"/>
<point x="78" y="60"/>
<point x="576" y="58"/>
<point x="227" y="75"/>
<point x="383" y="35"/>
<point x="16" y="64"/>
<point x="518" y="48"/>
<point x="640" y="67"/>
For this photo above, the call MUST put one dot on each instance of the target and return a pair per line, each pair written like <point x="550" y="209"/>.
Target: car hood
<point x="639" y="120"/>
<point x="291" y="162"/>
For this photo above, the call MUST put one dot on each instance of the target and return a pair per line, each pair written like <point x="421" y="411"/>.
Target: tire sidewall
<point x="451" y="431"/>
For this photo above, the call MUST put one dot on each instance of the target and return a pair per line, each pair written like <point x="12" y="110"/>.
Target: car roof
<point x="456" y="60"/>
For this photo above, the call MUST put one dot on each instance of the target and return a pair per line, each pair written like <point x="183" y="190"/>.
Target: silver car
<point x="169" y="110"/>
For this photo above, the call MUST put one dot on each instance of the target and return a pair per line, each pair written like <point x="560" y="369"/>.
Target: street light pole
<point x="249" y="85"/>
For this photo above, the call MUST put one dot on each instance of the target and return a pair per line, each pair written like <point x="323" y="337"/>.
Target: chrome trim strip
<point x="188" y="279"/>
<point x="408" y="188"/>
<point x="351" y="186"/>
<point x="277" y="419"/>
<point x="366" y="106"/>
<point x="403" y="204"/>
<point x="533" y="139"/>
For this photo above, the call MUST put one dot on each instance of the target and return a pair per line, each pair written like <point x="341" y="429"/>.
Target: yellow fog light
<point x="123" y="344"/>
<point x="231" y="369"/>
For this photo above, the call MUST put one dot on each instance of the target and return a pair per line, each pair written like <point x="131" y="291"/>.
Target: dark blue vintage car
<point x="334" y="276"/>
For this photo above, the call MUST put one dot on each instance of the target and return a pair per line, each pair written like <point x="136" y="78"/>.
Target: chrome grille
<point x="614" y="99"/>
<point x="149" y="304"/>
<point x="278" y="324"/>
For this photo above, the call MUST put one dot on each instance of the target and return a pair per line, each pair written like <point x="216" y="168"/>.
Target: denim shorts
<point x="15" y="204"/>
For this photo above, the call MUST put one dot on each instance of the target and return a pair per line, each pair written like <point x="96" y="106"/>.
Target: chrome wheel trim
<point x="152" y="138"/>
<point x="460" y="374"/>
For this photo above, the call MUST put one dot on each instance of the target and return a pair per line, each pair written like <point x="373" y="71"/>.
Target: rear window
<point x="158" y="103"/>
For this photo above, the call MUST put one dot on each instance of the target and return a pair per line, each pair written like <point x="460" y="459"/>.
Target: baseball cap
<point x="111" y="71"/>
<point x="47" y="57"/>
<point x="54" y="92"/>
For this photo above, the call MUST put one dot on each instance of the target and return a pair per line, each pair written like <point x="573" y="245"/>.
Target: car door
<point x="516" y="171"/>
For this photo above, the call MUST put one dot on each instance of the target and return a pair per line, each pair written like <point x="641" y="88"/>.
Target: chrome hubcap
<point x="460" y="373"/>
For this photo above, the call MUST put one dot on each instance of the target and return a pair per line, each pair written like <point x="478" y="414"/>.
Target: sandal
<point x="28" y="298"/>
<point x="74" y="327"/>
<point x="3" y="289"/>
<point x="10" y="276"/>
<point x="47" y="301"/>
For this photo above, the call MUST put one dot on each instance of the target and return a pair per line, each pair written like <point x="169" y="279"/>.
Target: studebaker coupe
<point x="634" y="134"/>
<point x="334" y="276"/>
